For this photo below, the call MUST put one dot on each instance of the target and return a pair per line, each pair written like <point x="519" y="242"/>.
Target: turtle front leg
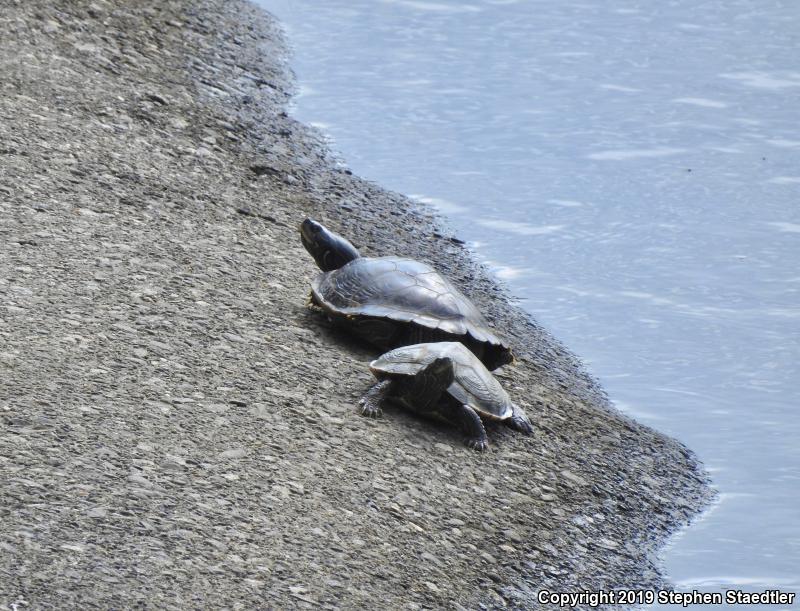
<point x="519" y="420"/>
<point x="370" y="403"/>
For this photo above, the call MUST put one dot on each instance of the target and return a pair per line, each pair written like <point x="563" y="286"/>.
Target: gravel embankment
<point x="177" y="429"/>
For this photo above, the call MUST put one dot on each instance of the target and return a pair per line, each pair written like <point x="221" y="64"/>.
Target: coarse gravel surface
<point x="179" y="431"/>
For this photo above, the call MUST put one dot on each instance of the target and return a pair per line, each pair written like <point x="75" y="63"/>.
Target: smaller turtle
<point x="445" y="381"/>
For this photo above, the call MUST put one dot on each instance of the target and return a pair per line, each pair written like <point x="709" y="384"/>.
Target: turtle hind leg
<point x="472" y="426"/>
<point x="370" y="403"/>
<point x="519" y="420"/>
<point x="423" y="390"/>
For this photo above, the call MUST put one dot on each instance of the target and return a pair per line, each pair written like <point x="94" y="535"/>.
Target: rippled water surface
<point x="632" y="170"/>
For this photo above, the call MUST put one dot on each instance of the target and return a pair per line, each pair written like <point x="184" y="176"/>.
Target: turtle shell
<point x="403" y="290"/>
<point x="474" y="385"/>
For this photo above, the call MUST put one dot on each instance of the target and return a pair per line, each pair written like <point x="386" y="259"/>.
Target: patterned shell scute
<point x="404" y="290"/>
<point x="474" y="385"/>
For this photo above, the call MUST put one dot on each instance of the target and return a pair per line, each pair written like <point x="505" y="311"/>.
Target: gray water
<point x="632" y="171"/>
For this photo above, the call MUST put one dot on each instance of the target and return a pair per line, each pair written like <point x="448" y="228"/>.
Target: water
<point x="633" y="172"/>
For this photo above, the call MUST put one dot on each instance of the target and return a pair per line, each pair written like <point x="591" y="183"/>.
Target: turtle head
<point x="330" y="251"/>
<point x="426" y="386"/>
<point x="441" y="369"/>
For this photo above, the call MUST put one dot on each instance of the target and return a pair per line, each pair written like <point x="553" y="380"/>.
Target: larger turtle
<point x="395" y="301"/>
<point x="445" y="381"/>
